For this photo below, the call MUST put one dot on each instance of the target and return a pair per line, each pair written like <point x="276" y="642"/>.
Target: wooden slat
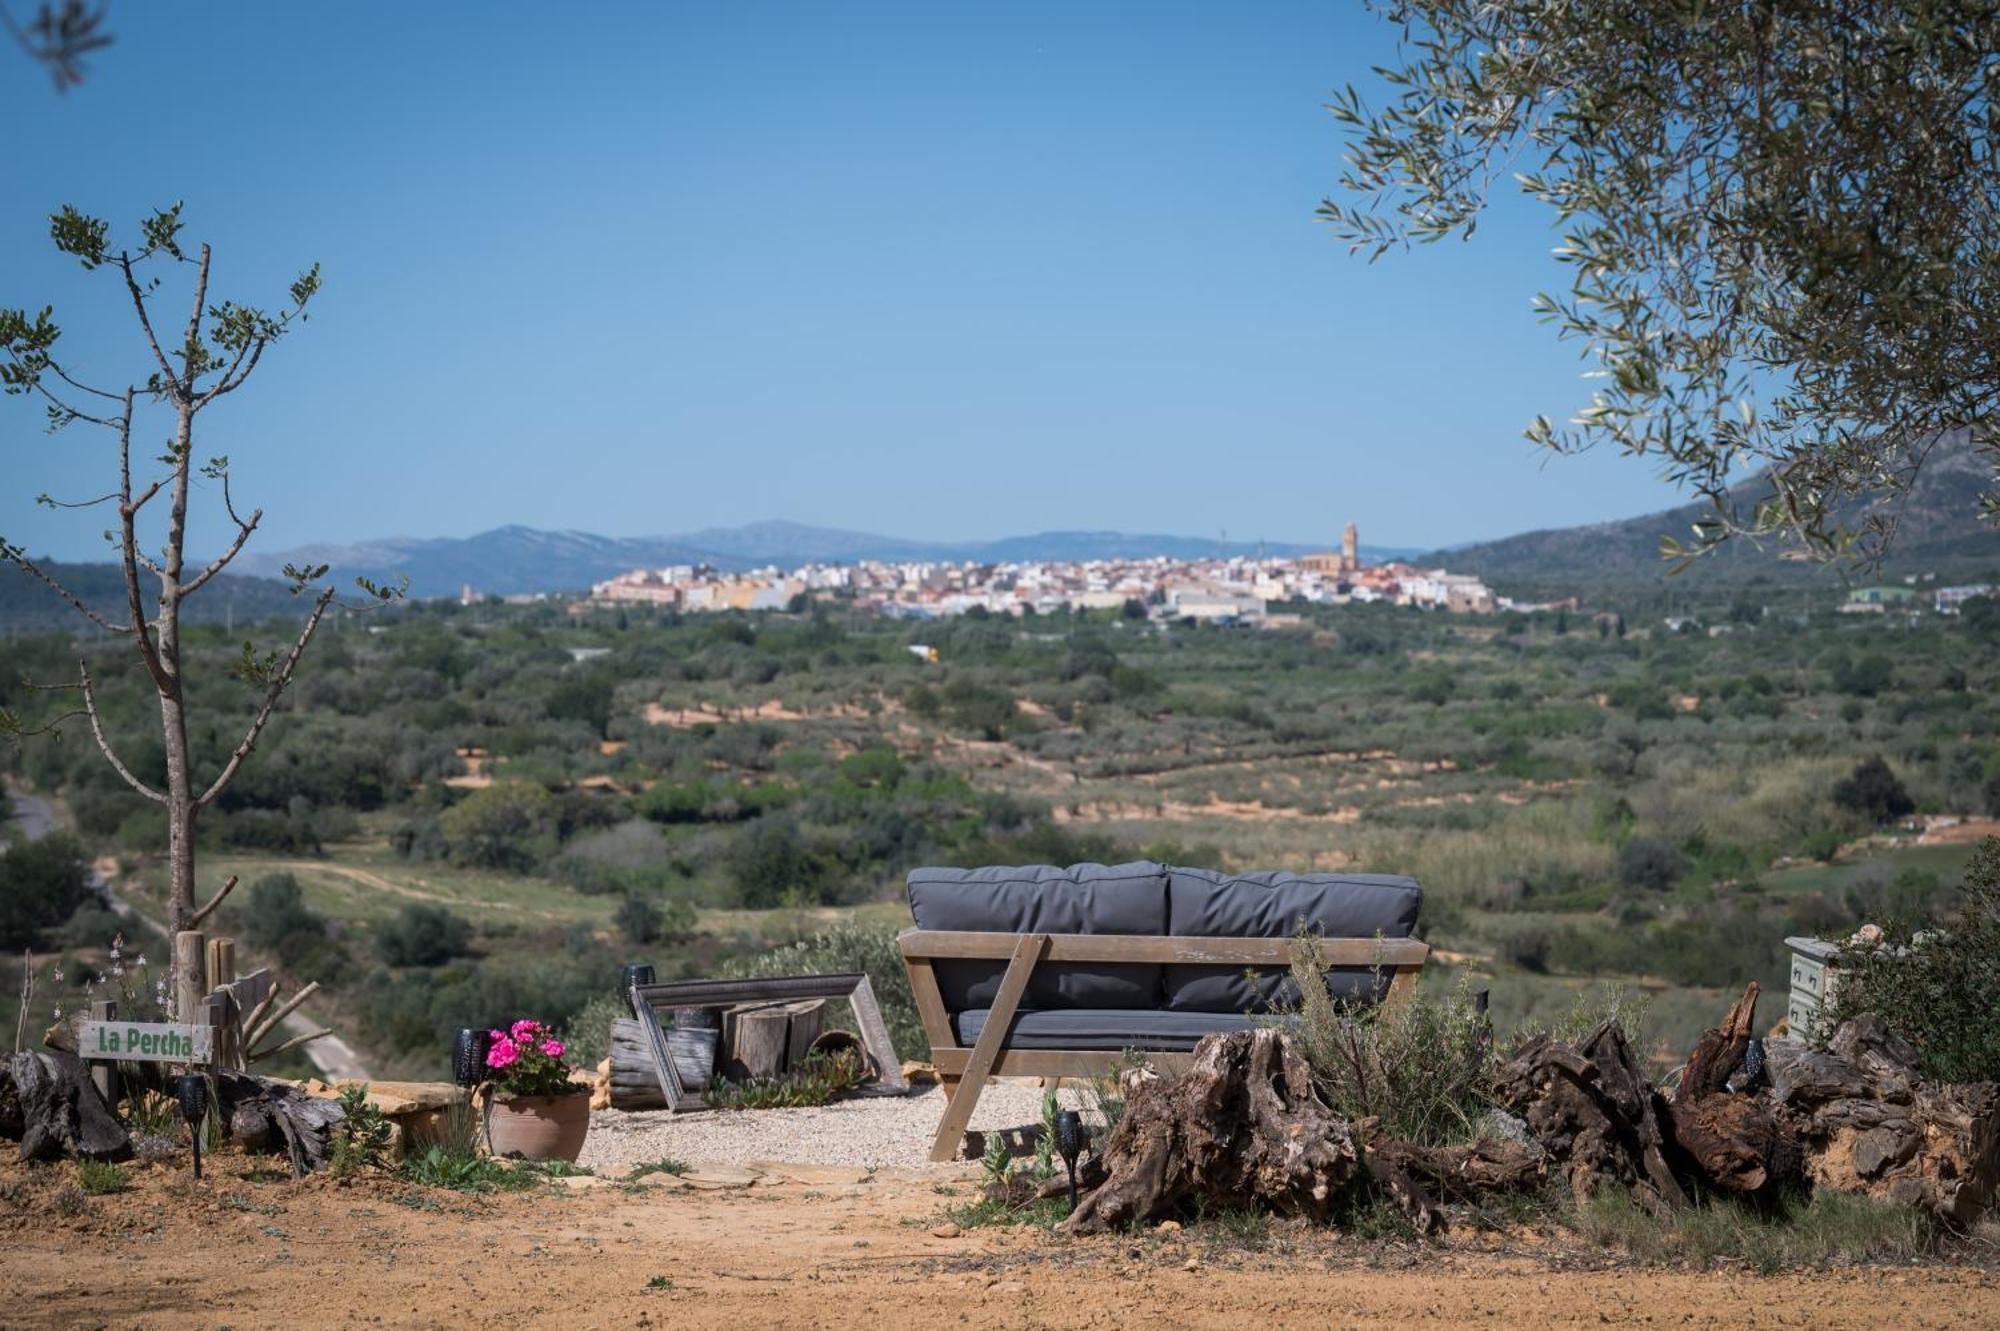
<point x="1028" y="950"/>
<point x="933" y="943"/>
<point x="722" y="993"/>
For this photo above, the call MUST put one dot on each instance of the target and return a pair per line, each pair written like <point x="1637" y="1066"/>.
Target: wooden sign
<point x="146" y="1042"/>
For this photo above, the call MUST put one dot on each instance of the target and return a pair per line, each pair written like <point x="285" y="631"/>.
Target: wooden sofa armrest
<point x="943" y="945"/>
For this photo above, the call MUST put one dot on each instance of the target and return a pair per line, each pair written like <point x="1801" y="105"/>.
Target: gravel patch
<point x="872" y="1132"/>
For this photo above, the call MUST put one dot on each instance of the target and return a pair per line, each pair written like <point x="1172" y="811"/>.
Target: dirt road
<point x="821" y="1249"/>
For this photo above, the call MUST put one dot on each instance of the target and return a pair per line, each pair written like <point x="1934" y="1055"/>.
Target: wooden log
<point x="190" y="973"/>
<point x="266" y="1115"/>
<point x="634" y="1083"/>
<point x="221" y="962"/>
<point x="1241" y="1126"/>
<point x="756" y="1038"/>
<point x="807" y="1020"/>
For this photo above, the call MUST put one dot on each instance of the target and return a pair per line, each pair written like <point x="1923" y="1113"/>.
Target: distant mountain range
<point x="1937" y="530"/>
<point x="514" y="560"/>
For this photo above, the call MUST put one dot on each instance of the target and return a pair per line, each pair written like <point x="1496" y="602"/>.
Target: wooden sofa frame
<point x="964" y="1071"/>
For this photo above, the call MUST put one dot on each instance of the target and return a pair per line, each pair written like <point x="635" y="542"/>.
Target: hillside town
<point x="1226" y="590"/>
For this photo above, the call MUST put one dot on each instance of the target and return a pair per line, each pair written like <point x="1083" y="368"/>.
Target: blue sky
<point x="928" y="270"/>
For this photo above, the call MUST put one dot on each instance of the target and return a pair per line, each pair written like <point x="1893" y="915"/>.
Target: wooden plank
<point x="1403" y="987"/>
<point x="656" y="1044"/>
<point x="722" y="993"/>
<point x="875" y="1039"/>
<point x="1028" y="950"/>
<point x="930" y="1002"/>
<point x="932" y="943"/>
<point x="252" y="989"/>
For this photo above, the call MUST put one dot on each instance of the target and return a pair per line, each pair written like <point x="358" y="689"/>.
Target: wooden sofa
<point x="1043" y="971"/>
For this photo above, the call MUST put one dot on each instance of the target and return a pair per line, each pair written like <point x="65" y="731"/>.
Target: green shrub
<point x="508" y="825"/>
<point x="1650" y="863"/>
<point x="1419" y="1065"/>
<point x="41" y="884"/>
<point x="1936" y="983"/>
<point x="1874" y="791"/>
<point x="423" y="935"/>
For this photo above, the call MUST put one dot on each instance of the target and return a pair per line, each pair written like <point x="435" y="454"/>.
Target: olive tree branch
<point x="279" y="675"/>
<point x="97" y="730"/>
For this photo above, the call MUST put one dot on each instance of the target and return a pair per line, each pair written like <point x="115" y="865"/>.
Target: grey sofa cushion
<point x="1104" y="1028"/>
<point x="1041" y="898"/>
<point x="1202" y="903"/>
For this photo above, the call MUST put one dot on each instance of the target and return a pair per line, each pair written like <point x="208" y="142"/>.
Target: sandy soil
<point x="820" y="1248"/>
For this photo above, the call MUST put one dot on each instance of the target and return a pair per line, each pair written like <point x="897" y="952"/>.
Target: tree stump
<point x="1867" y="1124"/>
<point x="1241" y="1125"/>
<point x="765" y="1040"/>
<point x="267" y="1115"/>
<point x="61" y="1112"/>
<point x="1735" y="1143"/>
<point x="1594" y="1112"/>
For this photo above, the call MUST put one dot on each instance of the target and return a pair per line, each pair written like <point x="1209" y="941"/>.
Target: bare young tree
<point x="218" y="349"/>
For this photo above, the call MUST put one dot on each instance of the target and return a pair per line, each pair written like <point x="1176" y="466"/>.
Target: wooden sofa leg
<point x="949" y="1081"/>
<point x="960" y="1097"/>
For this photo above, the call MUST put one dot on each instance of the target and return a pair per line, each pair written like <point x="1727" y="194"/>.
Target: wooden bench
<point x="964" y="1069"/>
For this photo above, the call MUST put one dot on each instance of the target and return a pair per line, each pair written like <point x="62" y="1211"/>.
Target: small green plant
<point x="1826" y="1229"/>
<point x="149" y="1114"/>
<point x="664" y="1165"/>
<point x="660" y="1283"/>
<point x="69" y="1201"/>
<point x="1045" y="1144"/>
<point x="988" y="1212"/>
<point x="817" y="1081"/>
<point x="439" y="1168"/>
<point x="359" y="1140"/>
<point x="993" y="1164"/>
<point x="99" y="1177"/>
<point x="1420" y="1065"/>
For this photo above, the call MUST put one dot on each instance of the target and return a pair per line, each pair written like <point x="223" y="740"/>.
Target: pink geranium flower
<point x="554" y="1048"/>
<point x="504" y="1053"/>
<point x="525" y="1031"/>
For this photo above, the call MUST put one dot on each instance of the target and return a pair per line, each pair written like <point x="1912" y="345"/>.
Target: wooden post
<point x="190" y="976"/>
<point x="221" y="962"/>
<point x="105" y="1074"/>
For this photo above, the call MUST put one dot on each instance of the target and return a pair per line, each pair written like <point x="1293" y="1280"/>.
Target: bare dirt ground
<point x="816" y="1248"/>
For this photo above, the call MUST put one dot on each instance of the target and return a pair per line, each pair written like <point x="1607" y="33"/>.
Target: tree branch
<point x="14" y="556"/>
<point x="146" y="323"/>
<point x="188" y="367"/>
<point x="97" y="730"/>
<point x="279" y="679"/>
<point x="221" y="561"/>
<point x="194" y="921"/>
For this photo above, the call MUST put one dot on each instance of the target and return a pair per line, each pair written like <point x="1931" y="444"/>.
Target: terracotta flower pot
<point x="539" y="1127"/>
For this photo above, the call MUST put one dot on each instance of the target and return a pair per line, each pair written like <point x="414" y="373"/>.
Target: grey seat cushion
<point x="1041" y="898"/>
<point x="1104" y="1028"/>
<point x="1202" y="903"/>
